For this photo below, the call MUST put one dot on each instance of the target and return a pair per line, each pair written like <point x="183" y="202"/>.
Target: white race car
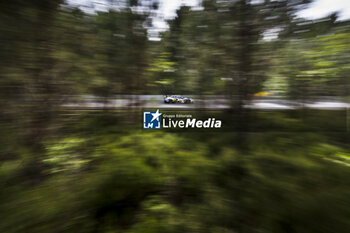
<point x="173" y="99"/>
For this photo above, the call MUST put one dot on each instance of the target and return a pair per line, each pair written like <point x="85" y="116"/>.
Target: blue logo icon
<point x="151" y="120"/>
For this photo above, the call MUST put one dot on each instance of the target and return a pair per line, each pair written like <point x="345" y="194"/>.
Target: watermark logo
<point x="166" y="120"/>
<point x="152" y="120"/>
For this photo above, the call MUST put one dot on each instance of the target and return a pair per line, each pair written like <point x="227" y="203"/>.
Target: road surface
<point x="207" y="102"/>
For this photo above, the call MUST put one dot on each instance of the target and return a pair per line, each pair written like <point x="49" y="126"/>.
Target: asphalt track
<point x="203" y="102"/>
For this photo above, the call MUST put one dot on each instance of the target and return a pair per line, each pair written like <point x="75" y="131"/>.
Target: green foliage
<point x="137" y="181"/>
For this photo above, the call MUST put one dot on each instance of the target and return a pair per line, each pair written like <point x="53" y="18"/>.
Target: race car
<point x="173" y="99"/>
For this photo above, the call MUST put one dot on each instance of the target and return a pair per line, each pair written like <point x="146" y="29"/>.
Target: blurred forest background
<point x="73" y="170"/>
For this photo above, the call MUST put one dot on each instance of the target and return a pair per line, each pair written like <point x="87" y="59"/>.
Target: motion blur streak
<point x="76" y="75"/>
